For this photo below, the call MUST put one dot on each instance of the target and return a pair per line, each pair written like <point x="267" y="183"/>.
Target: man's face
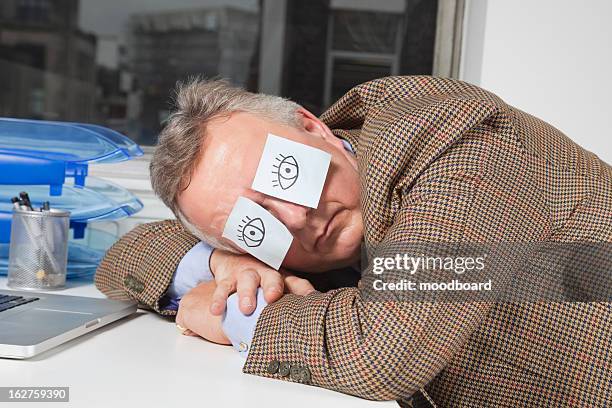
<point x="325" y="238"/>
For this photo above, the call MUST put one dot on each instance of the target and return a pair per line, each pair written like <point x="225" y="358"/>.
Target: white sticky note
<point x="254" y="229"/>
<point x="292" y="171"/>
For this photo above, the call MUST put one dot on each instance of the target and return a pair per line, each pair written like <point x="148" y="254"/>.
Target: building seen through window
<point x="115" y="63"/>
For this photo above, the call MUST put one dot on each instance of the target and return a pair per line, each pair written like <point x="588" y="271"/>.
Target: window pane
<point x="115" y="62"/>
<point x="350" y="71"/>
<point x="365" y="31"/>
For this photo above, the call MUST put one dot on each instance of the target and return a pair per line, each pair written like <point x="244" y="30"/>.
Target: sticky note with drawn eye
<point x="292" y="171"/>
<point x="252" y="228"/>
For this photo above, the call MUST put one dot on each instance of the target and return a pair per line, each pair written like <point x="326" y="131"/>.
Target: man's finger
<point x="272" y="284"/>
<point x="181" y="323"/>
<point x="247" y="282"/>
<point x="180" y="320"/>
<point x="298" y="286"/>
<point x="188" y="332"/>
<point x="224" y="288"/>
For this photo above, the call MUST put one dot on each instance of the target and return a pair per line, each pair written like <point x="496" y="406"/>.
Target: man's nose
<point x="292" y="215"/>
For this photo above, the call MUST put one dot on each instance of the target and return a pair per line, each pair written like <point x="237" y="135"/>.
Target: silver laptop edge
<point x="100" y="312"/>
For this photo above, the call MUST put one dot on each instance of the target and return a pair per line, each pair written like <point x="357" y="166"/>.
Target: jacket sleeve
<point x="140" y="265"/>
<point x="387" y="350"/>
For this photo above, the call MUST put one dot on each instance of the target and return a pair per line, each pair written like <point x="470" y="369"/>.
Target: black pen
<point x="15" y="201"/>
<point x="26" y="200"/>
<point x="22" y="205"/>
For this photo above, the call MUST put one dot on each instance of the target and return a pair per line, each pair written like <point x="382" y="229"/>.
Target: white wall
<point x="550" y="58"/>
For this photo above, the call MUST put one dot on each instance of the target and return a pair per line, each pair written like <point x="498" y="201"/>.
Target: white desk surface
<point x="142" y="361"/>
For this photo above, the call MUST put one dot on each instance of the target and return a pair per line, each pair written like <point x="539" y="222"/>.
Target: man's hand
<point x="201" y="308"/>
<point x="244" y="274"/>
<point x="194" y="314"/>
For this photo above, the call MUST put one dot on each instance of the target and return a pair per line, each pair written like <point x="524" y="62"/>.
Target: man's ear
<point x="313" y="125"/>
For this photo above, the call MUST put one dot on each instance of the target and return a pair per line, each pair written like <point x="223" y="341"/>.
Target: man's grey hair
<point x="179" y="147"/>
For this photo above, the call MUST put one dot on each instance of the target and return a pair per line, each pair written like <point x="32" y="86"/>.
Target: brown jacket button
<point x="284" y="369"/>
<point x="305" y="375"/>
<point x="134" y="284"/>
<point x="273" y="367"/>
<point x="296" y="373"/>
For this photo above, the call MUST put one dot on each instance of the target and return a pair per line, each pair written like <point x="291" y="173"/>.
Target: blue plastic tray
<point x="66" y="141"/>
<point x="45" y="152"/>
<point x="98" y="200"/>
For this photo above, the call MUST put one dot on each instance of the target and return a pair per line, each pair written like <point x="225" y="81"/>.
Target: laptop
<point x="33" y="322"/>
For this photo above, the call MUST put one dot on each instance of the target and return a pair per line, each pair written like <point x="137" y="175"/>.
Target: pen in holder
<point x="38" y="250"/>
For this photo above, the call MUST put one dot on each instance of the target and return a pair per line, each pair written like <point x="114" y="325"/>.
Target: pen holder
<point x="38" y="249"/>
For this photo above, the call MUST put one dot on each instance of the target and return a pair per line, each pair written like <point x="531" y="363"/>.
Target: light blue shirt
<point x="193" y="269"/>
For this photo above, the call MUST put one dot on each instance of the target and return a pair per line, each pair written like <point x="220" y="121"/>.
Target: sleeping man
<point x="265" y="191"/>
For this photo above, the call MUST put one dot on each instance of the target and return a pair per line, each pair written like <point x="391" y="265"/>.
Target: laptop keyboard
<point x="8" y="301"/>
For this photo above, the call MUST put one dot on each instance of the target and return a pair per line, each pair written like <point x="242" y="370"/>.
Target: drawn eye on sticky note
<point x="286" y="172"/>
<point x="252" y="231"/>
<point x="252" y="228"/>
<point x="292" y="171"/>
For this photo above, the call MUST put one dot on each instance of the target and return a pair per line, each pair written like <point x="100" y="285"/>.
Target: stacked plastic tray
<point x="50" y="160"/>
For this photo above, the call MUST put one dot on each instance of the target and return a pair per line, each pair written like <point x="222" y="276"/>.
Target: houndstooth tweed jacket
<point x="444" y="161"/>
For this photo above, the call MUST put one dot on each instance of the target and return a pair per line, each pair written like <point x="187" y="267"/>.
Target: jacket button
<point x="273" y="367"/>
<point x="296" y="373"/>
<point x="134" y="284"/>
<point x="305" y="375"/>
<point x="284" y="369"/>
